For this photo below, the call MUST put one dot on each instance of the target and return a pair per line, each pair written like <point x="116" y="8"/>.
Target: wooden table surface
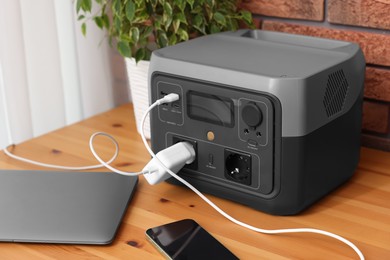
<point x="359" y="210"/>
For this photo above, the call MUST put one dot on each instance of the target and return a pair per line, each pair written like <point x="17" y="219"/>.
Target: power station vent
<point x="335" y="93"/>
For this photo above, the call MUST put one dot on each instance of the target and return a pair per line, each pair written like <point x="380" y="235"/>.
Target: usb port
<point x="163" y="94"/>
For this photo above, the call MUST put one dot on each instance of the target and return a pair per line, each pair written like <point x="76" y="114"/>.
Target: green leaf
<point x="86" y="5"/>
<point x="118" y="23"/>
<point x="167" y="9"/>
<point x="176" y="25"/>
<point x="232" y="24"/>
<point x="198" y="20"/>
<point x="168" y="22"/>
<point x="124" y="49"/>
<point x="197" y="10"/>
<point x="98" y="21"/>
<point x="139" y="55"/>
<point x="214" y="29"/>
<point x="148" y="30"/>
<point x="181" y="17"/>
<point x="84" y="29"/>
<point x="211" y="3"/>
<point x="157" y="22"/>
<point x="149" y="8"/>
<point x="172" y="40"/>
<point x="162" y="39"/>
<point x="183" y="34"/>
<point x="199" y="24"/>
<point x="247" y="16"/>
<point x="134" y="34"/>
<point x="202" y="29"/>
<point x="154" y="3"/>
<point x="78" y="5"/>
<point x="106" y="21"/>
<point x="191" y="3"/>
<point x="117" y="7"/>
<point x="219" y="18"/>
<point x="81" y="17"/>
<point x="181" y="4"/>
<point x="125" y="38"/>
<point x="130" y="10"/>
<point x="141" y="17"/>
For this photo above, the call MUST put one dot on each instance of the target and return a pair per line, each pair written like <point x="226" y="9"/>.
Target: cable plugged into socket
<point x="173" y="157"/>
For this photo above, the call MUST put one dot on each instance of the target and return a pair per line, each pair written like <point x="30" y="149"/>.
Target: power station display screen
<point x="210" y="108"/>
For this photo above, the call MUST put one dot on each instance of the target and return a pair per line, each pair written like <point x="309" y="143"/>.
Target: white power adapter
<point x="173" y="158"/>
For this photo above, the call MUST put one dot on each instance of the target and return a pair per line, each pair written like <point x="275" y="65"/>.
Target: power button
<point x="252" y="115"/>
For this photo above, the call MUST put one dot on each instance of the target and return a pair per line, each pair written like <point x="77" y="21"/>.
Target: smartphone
<point x="186" y="239"/>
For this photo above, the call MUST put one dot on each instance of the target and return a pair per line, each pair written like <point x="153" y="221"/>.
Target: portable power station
<point x="274" y="118"/>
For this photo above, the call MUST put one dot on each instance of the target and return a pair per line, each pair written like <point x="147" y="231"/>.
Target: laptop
<point x="62" y="207"/>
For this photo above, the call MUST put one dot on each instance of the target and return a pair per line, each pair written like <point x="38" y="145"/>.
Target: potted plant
<point x="137" y="27"/>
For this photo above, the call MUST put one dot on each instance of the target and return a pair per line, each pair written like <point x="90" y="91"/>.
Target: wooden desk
<point x="359" y="210"/>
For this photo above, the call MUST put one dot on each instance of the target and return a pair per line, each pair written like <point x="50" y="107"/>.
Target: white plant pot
<point x="138" y="79"/>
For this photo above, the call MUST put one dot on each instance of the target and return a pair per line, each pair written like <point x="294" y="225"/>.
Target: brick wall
<point x="366" y="22"/>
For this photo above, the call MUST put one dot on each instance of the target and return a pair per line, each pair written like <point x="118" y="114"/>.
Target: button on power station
<point x="251" y="115"/>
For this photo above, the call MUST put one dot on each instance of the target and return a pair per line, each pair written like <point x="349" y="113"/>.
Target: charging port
<point x="238" y="167"/>
<point x="194" y="164"/>
<point x="163" y="94"/>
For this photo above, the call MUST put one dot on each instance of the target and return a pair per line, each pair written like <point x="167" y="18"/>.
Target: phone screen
<point x="185" y="239"/>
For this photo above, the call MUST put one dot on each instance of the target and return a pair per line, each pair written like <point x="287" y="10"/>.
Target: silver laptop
<point x="62" y="207"/>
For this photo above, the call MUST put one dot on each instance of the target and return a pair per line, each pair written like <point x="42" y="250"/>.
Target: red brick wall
<point x="366" y="22"/>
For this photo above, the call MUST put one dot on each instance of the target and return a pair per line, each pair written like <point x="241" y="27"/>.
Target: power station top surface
<point x="269" y="54"/>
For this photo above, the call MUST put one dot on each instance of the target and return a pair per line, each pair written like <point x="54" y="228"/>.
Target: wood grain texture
<point x="367" y="13"/>
<point x="359" y="210"/>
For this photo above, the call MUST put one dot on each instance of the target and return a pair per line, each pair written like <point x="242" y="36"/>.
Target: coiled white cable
<point x="53" y="166"/>
<point x="107" y="164"/>
<point x="62" y="167"/>
<point x="223" y="213"/>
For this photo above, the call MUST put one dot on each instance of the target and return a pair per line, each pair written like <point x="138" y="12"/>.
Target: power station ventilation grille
<point x="336" y="92"/>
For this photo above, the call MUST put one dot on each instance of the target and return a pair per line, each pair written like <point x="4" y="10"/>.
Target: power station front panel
<point x="234" y="132"/>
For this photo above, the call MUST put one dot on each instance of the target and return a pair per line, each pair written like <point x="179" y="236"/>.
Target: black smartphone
<point x="185" y="239"/>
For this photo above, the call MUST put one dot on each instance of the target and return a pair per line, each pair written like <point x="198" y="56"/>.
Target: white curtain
<point x="50" y="74"/>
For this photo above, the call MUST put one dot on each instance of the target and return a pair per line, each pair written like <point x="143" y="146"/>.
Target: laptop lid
<point x="62" y="207"/>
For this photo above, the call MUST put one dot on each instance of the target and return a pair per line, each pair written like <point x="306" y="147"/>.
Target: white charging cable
<point x="151" y="169"/>
<point x="19" y="158"/>
<point x="61" y="167"/>
<point x="256" y="229"/>
<point x="182" y="155"/>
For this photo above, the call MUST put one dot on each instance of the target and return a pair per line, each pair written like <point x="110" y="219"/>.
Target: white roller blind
<point x="52" y="75"/>
<point x="69" y="60"/>
<point x="43" y="65"/>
